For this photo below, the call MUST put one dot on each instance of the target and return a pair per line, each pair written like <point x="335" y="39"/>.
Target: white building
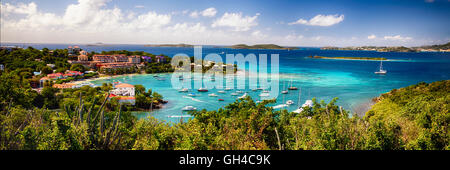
<point x="123" y="89"/>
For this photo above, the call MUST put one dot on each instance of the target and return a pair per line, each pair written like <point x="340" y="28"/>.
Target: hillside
<point x="418" y="114"/>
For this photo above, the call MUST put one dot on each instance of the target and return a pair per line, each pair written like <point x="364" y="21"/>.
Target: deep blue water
<point x="354" y="82"/>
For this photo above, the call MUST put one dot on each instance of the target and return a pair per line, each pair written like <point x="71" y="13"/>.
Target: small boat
<point x="264" y="95"/>
<point x="212" y="95"/>
<point x="192" y="94"/>
<point x="279" y="106"/>
<point x="234" y="94"/>
<point x="184" y="90"/>
<point x="239" y="91"/>
<point x="221" y="100"/>
<point x="243" y="96"/>
<point x="381" y="71"/>
<point x="292" y="87"/>
<point x="284" y="87"/>
<point x="265" y="91"/>
<point x="189" y="108"/>
<point x="254" y="89"/>
<point x="289" y="102"/>
<point x="202" y="89"/>
<point x="221" y="91"/>
<point x="228" y="89"/>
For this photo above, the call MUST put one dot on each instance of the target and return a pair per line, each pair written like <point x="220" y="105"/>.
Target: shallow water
<point x="353" y="81"/>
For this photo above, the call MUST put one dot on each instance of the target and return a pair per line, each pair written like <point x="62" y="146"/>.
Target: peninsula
<point x="262" y="46"/>
<point x="169" y="45"/>
<point x="429" y="48"/>
<point x="348" y="58"/>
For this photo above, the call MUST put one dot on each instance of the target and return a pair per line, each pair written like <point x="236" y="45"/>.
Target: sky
<point x="310" y="23"/>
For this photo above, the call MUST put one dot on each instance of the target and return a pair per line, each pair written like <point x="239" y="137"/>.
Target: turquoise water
<point x="354" y="82"/>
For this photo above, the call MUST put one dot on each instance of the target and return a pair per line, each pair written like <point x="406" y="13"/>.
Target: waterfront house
<point x="43" y="80"/>
<point x="2" y="67"/>
<point x="64" y="86"/>
<point x="55" y="76"/>
<point x="123" y="89"/>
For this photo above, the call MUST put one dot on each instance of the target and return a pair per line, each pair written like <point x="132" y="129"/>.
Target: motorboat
<point x="212" y="95"/>
<point x="289" y="102"/>
<point x="221" y="91"/>
<point x="234" y="94"/>
<point x="202" y="89"/>
<point x="189" y="108"/>
<point x="243" y="96"/>
<point x="184" y="90"/>
<point x="192" y="94"/>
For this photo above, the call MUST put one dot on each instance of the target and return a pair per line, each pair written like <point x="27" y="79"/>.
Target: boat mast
<point x="299" y="96"/>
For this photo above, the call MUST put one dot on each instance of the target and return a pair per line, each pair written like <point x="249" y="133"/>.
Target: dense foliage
<point x="415" y="117"/>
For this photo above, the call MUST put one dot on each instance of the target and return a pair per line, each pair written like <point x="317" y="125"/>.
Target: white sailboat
<point x="381" y="71"/>
<point x="284" y="89"/>
<point x="243" y="96"/>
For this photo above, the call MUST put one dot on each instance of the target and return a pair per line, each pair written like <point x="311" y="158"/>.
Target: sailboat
<point x="381" y="71"/>
<point x="292" y="87"/>
<point x="284" y="87"/>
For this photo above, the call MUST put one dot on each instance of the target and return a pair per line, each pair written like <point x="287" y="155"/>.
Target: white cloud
<point x="397" y="38"/>
<point x="236" y="21"/>
<point x="371" y="37"/>
<point x="194" y="14"/>
<point x="139" y="6"/>
<point x="210" y="12"/>
<point x="320" y="20"/>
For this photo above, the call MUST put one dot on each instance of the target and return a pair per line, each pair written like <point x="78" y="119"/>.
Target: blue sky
<point x="216" y="22"/>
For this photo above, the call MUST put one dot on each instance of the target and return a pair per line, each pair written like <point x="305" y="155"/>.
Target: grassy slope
<point x="421" y="112"/>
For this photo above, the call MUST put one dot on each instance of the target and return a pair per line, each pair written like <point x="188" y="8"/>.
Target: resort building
<point x="134" y="59"/>
<point x="103" y="58"/>
<point x="120" y="58"/>
<point x="2" y="67"/>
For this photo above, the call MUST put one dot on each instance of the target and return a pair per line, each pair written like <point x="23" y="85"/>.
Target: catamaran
<point x="381" y="71"/>
<point x="292" y="87"/>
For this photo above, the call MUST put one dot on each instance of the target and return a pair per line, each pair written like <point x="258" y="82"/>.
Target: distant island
<point x="262" y="46"/>
<point x="168" y="45"/>
<point x="348" y="58"/>
<point x="431" y="48"/>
